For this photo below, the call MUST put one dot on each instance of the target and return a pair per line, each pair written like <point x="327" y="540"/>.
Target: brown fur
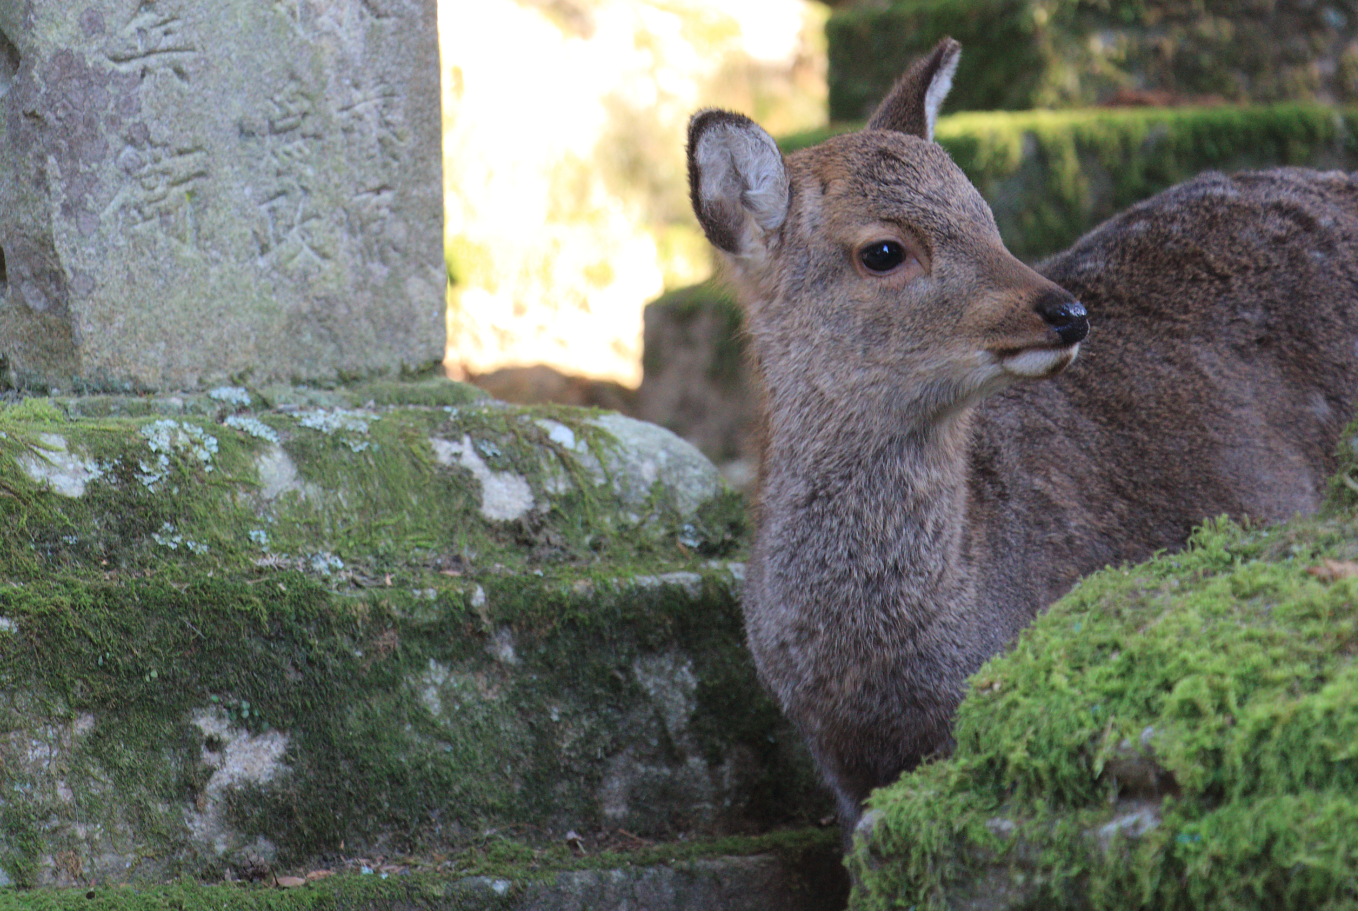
<point x="919" y="503"/>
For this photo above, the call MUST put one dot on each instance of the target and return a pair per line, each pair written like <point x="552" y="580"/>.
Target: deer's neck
<point x="875" y="515"/>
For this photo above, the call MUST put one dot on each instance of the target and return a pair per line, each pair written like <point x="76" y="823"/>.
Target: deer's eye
<point x="882" y="256"/>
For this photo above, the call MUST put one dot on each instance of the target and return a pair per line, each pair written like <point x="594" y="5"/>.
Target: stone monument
<point x="191" y="192"/>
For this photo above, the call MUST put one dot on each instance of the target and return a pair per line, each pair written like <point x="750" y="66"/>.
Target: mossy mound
<point x="1177" y="735"/>
<point x="267" y="626"/>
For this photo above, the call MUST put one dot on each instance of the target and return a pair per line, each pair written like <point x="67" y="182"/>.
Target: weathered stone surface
<point x="230" y="730"/>
<point x="354" y="480"/>
<point x="198" y="191"/>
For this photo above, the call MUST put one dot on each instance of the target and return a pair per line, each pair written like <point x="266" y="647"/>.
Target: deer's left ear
<point x="913" y="103"/>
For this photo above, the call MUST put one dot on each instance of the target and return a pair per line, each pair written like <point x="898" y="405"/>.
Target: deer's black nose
<point x="1065" y="315"/>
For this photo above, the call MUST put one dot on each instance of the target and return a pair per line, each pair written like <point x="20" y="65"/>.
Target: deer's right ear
<point x="736" y="179"/>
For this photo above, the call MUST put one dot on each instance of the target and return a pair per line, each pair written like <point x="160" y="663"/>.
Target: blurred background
<point x="578" y="274"/>
<point x="567" y="201"/>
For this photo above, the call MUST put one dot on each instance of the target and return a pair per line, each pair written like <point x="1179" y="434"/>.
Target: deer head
<point x="871" y="266"/>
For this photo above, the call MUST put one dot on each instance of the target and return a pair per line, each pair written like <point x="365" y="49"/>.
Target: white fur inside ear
<point x="741" y="164"/>
<point x="766" y="191"/>
<point x="938" y="91"/>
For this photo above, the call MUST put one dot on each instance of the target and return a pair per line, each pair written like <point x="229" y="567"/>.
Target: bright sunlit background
<point x="566" y="197"/>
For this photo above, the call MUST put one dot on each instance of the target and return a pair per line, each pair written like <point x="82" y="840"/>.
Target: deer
<point x="937" y="465"/>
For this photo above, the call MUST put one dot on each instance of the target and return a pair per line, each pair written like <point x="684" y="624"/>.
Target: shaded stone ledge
<point x="796" y="870"/>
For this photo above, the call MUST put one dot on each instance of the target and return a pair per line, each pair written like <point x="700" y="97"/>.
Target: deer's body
<point x="919" y="503"/>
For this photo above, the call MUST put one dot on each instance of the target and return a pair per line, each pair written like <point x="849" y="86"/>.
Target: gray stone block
<point x="191" y="192"/>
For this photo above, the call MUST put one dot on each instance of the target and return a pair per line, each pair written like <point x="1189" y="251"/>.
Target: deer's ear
<point x="912" y="105"/>
<point x="736" y="179"/>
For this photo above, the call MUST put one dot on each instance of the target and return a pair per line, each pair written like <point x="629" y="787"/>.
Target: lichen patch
<point x="237" y="756"/>
<point x="504" y="496"/>
<point x="52" y="463"/>
<point x="672" y="687"/>
<point x="231" y="395"/>
<point x="646" y="454"/>
<point x="168" y="437"/>
<point x="561" y="435"/>
<point x="278" y="474"/>
<point x="237" y="759"/>
<point x="350" y="427"/>
<point x="501" y="646"/>
<point x="430" y="684"/>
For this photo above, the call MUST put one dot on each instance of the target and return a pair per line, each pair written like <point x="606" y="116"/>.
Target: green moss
<point x="30" y="411"/>
<point x="869" y="47"/>
<point x="1344" y="484"/>
<point x="340" y="893"/>
<point x="1052" y="176"/>
<point x="428" y="390"/>
<point x="520" y="861"/>
<point x="1024" y="54"/>
<point x="147" y="487"/>
<point x="1234" y="661"/>
<point x="449" y="674"/>
<point x="369" y="488"/>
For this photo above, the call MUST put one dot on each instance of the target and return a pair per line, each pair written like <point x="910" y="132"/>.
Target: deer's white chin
<point x="1039" y="363"/>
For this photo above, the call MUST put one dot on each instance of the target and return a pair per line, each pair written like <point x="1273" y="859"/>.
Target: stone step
<point x="271" y="626"/>
<point x="786" y="871"/>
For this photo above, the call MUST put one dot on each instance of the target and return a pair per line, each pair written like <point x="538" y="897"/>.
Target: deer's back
<point x="1218" y="374"/>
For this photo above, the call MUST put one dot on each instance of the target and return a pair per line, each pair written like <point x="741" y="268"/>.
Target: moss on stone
<point x="320" y="582"/>
<point x="869" y="46"/>
<point x="1023" y="54"/>
<point x="340" y="893"/>
<point x="429" y="391"/>
<point x="1178" y="734"/>
<point x="360" y="488"/>
<point x="431" y="712"/>
<point x="1344" y="484"/>
<point x="110" y="493"/>
<point x="1053" y="176"/>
